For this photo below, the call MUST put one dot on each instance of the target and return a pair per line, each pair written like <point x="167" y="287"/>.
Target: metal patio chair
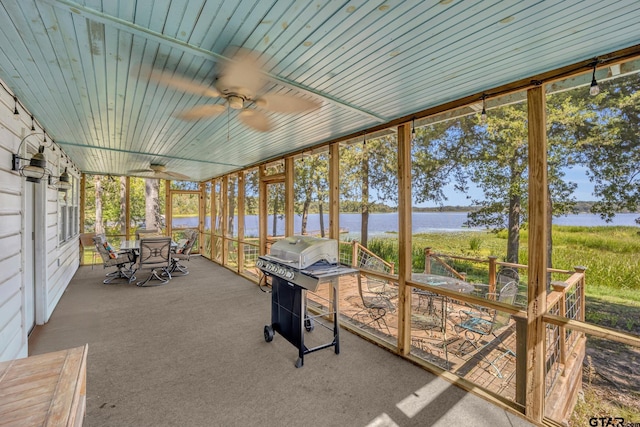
<point x="432" y="322"/>
<point x="151" y="232"/>
<point x="479" y="326"/>
<point x="375" y="306"/>
<point x="155" y="255"/>
<point x="183" y="253"/>
<point x="123" y="261"/>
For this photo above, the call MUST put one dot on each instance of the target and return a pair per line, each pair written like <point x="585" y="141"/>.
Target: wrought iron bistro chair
<point x="478" y="326"/>
<point x="432" y="321"/>
<point x="183" y="252"/>
<point x="123" y="261"/>
<point x="375" y="307"/>
<point x="374" y="285"/>
<point x="155" y="255"/>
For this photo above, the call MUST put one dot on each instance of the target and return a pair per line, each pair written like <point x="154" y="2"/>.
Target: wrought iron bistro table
<point x="444" y="282"/>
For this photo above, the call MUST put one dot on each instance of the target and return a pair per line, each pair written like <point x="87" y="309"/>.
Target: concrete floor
<point x="192" y="353"/>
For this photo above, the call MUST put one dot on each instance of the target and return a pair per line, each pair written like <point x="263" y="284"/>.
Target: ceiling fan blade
<point x="141" y="171"/>
<point x="179" y="82"/>
<point x="281" y="103"/>
<point x="178" y="176"/>
<point x="255" y="120"/>
<point x="242" y="75"/>
<point x="202" y="111"/>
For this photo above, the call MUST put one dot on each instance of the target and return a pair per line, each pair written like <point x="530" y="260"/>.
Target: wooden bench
<point x="44" y="390"/>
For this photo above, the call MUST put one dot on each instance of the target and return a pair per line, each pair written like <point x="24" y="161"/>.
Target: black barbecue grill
<point x="296" y="265"/>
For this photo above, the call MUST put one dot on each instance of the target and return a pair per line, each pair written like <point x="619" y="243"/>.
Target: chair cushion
<point x="112" y="254"/>
<point x="182" y="244"/>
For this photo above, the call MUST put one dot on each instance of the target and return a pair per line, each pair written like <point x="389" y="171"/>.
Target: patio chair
<point x="433" y="326"/>
<point x="87" y="244"/>
<point x="506" y="275"/>
<point x="155" y="255"/>
<point x="374" y="285"/>
<point x="479" y="326"/>
<point x="375" y="306"/>
<point x="151" y="232"/>
<point x="183" y="252"/>
<point x="123" y="261"/>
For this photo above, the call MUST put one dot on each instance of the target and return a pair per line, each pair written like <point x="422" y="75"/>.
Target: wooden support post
<point x="427" y="260"/>
<point x="492" y="276"/>
<point x="537" y="305"/>
<point x="202" y="214"/>
<point x="334" y="191"/>
<point x="167" y="207"/>
<point x="354" y="253"/>
<point x="224" y="189"/>
<point x="583" y="282"/>
<point x="404" y="238"/>
<point x="127" y="209"/>
<point x="262" y="212"/>
<point x="521" y="359"/>
<point x="241" y="191"/>
<point x="83" y="201"/>
<point x="289" y="196"/>
<point x="214" y="217"/>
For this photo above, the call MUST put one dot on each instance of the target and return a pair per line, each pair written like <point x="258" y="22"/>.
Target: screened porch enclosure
<point x="526" y="359"/>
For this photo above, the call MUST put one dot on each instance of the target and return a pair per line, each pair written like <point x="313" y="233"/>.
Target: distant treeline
<point x="354" y="207"/>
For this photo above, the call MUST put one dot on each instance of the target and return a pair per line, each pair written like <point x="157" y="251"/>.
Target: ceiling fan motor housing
<point x="236" y="102"/>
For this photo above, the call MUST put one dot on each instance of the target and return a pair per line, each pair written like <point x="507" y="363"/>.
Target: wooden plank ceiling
<point x="76" y="65"/>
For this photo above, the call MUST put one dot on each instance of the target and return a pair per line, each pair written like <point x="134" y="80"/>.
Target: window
<point x="68" y="212"/>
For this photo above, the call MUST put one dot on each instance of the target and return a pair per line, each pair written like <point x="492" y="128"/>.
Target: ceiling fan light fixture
<point x="236" y="102"/>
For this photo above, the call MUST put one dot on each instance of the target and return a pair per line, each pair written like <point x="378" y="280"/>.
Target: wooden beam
<point x="537" y="272"/>
<point x="404" y="238"/>
<point x="167" y="206"/>
<point x="224" y="190"/>
<point x="83" y="200"/>
<point x="596" y="331"/>
<point x="334" y="191"/>
<point x="202" y="214"/>
<point x="289" y="196"/>
<point x="127" y="214"/>
<point x="262" y="212"/>
<point x="241" y="190"/>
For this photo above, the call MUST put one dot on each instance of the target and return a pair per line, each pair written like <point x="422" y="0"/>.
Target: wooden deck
<point x="450" y="350"/>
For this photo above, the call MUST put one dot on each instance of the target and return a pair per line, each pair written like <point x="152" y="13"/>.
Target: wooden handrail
<point x="598" y="331"/>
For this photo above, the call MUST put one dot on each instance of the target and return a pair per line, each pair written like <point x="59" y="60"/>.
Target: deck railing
<point x="566" y="299"/>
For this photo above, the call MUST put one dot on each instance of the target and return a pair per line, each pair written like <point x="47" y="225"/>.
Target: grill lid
<point x="303" y="251"/>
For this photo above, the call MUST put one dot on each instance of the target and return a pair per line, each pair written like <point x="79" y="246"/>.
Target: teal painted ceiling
<point x="79" y="67"/>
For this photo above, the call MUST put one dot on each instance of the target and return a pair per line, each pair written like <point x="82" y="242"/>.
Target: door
<point x="29" y="258"/>
<point x="185" y="214"/>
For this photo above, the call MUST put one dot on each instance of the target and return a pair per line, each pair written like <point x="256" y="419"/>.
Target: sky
<point x="577" y="174"/>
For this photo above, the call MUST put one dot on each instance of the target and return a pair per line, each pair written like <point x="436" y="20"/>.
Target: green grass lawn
<point x="611" y="254"/>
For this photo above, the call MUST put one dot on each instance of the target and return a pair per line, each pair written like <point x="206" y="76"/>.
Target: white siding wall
<point x="56" y="263"/>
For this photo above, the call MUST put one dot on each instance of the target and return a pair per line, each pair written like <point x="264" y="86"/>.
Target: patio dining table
<point x="444" y="282"/>
<point x="133" y="246"/>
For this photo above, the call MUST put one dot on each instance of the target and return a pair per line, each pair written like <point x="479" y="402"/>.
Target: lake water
<point x="422" y="222"/>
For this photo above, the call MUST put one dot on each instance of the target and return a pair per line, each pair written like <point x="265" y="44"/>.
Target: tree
<point x="97" y="184"/>
<point x="369" y="167"/>
<point x="494" y="156"/>
<point x="310" y="183"/>
<point x="612" y="149"/>
<point x="153" y="218"/>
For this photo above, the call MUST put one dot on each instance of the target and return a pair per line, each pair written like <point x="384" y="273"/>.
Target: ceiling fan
<point x="159" y="172"/>
<point x="240" y="83"/>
